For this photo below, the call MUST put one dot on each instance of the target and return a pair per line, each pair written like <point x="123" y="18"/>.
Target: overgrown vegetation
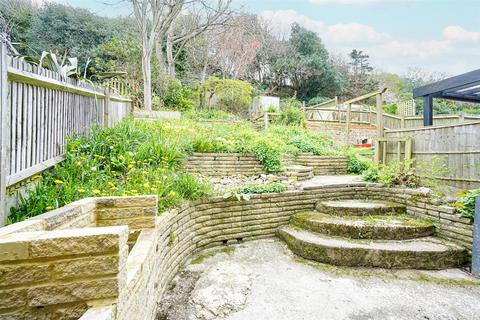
<point x="466" y="203"/>
<point x="130" y="159"/>
<point x="136" y="158"/>
<point x="407" y="174"/>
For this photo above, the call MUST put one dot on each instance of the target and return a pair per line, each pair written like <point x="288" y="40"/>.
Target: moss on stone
<point x="412" y="275"/>
<point x="201" y="257"/>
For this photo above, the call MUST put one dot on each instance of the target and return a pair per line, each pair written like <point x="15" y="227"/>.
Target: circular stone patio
<point x="264" y="280"/>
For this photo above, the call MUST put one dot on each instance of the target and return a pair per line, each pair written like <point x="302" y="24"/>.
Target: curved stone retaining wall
<point x="223" y="164"/>
<point x="131" y="286"/>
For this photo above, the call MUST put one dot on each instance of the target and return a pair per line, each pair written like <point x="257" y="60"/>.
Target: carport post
<point x="476" y="240"/>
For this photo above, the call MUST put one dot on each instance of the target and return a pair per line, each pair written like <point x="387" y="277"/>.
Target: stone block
<point x="86" y="267"/>
<point x="16" y="274"/>
<point x="133" y="201"/>
<point x="78" y="242"/>
<point x="58" y="293"/>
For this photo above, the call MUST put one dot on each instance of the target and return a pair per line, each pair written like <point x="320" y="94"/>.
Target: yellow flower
<point x="58" y="182"/>
<point x="130" y="166"/>
<point x="146" y="184"/>
<point x="114" y="188"/>
<point x="96" y="191"/>
<point x="133" y="191"/>
<point x="110" y="184"/>
<point x="81" y="190"/>
<point x="173" y="193"/>
<point x="50" y="208"/>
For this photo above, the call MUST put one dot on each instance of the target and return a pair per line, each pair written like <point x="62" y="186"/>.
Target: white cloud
<point x="457" y="33"/>
<point x="355" y="32"/>
<point x="358" y="2"/>
<point x="451" y="53"/>
<point x="281" y="21"/>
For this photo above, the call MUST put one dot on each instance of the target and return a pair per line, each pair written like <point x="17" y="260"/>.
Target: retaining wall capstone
<point x="130" y="284"/>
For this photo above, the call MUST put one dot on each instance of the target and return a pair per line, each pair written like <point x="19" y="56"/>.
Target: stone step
<point x="425" y="253"/>
<point x="364" y="227"/>
<point x="360" y="208"/>
<point x="299" y="173"/>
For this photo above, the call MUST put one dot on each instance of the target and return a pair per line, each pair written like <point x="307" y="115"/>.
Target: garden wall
<point x="224" y="164"/>
<point x="128" y="285"/>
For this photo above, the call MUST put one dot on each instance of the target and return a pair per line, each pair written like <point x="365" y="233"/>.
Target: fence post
<point x="476" y="240"/>
<point x="379" y="115"/>
<point x="4" y="128"/>
<point x="349" y="110"/>
<point x="106" y="108"/>
<point x="461" y="117"/>
<point x="402" y="121"/>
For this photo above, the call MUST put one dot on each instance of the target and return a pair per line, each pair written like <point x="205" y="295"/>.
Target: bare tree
<point x="236" y="47"/>
<point x="200" y="16"/>
<point x="153" y="19"/>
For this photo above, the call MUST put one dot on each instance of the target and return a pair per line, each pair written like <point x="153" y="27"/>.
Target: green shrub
<point x="396" y="174"/>
<point x="466" y="204"/>
<point x="269" y="154"/>
<point x="177" y="97"/>
<point x="292" y="117"/>
<point x="230" y="95"/>
<point x="357" y="164"/>
<point x="390" y="108"/>
<point x="289" y="103"/>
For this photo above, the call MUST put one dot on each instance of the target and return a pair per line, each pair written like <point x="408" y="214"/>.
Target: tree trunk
<point x="147" y="76"/>
<point x="170" y="59"/>
<point x="160" y="57"/>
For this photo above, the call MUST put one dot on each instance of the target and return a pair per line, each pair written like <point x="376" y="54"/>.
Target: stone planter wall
<point x="322" y="165"/>
<point x="131" y="286"/>
<point x="223" y="164"/>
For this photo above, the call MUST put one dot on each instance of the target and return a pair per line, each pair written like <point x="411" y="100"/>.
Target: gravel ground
<point x="264" y="280"/>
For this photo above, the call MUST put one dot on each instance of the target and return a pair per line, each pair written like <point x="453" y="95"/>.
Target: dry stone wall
<point x="36" y="268"/>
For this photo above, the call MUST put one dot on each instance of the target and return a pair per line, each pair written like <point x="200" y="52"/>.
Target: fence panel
<point x="39" y="110"/>
<point x="455" y="145"/>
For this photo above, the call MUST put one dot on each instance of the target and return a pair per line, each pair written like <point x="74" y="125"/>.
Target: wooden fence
<point x="390" y="121"/>
<point x="457" y="146"/>
<point x="39" y="110"/>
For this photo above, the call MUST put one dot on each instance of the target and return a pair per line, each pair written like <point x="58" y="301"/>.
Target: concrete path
<point x="263" y="280"/>
<point x="318" y="181"/>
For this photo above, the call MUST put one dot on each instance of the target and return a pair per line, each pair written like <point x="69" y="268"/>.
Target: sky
<point x="436" y="35"/>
